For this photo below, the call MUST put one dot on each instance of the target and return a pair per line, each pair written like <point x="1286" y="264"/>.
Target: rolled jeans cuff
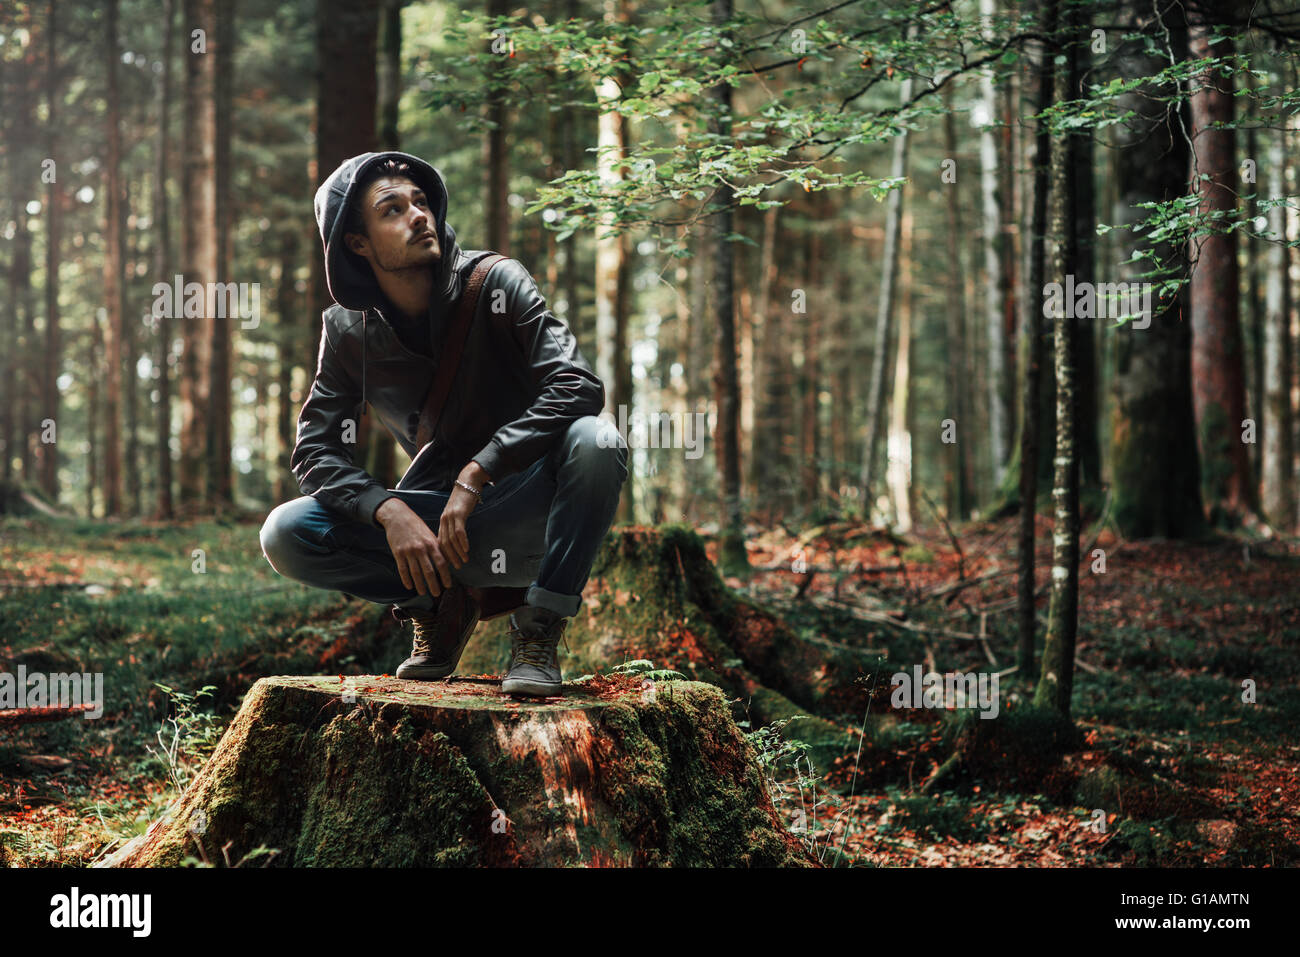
<point x="565" y="605"/>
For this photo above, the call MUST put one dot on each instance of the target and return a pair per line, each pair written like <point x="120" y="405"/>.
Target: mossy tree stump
<point x="380" y="772"/>
<point x="655" y="595"/>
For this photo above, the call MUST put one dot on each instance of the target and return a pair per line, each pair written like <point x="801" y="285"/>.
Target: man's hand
<point x="451" y="528"/>
<point x="415" y="548"/>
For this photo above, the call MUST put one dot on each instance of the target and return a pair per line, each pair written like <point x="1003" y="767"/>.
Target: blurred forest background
<point x="822" y="226"/>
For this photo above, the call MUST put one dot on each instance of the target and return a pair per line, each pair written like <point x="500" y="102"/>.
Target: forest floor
<point x="1168" y="633"/>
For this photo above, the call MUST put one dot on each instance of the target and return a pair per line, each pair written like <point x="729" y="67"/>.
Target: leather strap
<point x="452" y="348"/>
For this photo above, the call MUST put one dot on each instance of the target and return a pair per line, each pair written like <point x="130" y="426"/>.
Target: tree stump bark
<point x="380" y="772"/>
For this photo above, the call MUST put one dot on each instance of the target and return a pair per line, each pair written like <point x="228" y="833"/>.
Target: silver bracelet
<point x="469" y="488"/>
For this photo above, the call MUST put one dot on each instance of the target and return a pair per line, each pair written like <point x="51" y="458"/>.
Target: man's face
<point x="401" y="232"/>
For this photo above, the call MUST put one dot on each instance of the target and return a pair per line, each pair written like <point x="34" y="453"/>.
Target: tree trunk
<point x="732" y="557"/>
<point x="959" y="479"/>
<point x="198" y="247"/>
<point x="381" y="458"/>
<point x="1218" y="368"/>
<point x="113" y="268"/>
<point x="611" y="271"/>
<point x="496" y="155"/>
<point x="884" y="313"/>
<point x="287" y="300"/>
<point x="1032" y="332"/>
<point x="810" y="386"/>
<point x="992" y="243"/>
<point x="898" y="445"/>
<point x="1278" y="451"/>
<point x="1056" y="683"/>
<point x="49" y="451"/>
<point x="220" y="492"/>
<point x="163" y="273"/>
<point x="1153" y="439"/>
<point x="402" y="773"/>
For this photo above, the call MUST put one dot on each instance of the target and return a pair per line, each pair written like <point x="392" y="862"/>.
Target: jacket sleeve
<point x="565" y="386"/>
<point x="321" y="462"/>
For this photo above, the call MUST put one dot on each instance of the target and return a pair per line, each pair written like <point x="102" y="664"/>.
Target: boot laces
<point x="538" y="648"/>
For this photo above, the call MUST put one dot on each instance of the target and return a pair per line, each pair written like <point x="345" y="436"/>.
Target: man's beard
<point x="397" y="265"/>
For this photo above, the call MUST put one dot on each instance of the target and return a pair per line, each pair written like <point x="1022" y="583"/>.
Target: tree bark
<point x="992" y="243"/>
<point x="1278" y="420"/>
<point x="198" y="247"/>
<point x="1156" y="490"/>
<point x="496" y="155"/>
<point x="1032" y="331"/>
<point x="1056" y="683"/>
<point x="418" y="774"/>
<point x="163" y="273"/>
<point x="1218" y="368"/>
<point x="113" y="267"/>
<point x="876" y="390"/>
<point x="49" y="451"/>
<point x="732" y="556"/>
<point x="959" y="479"/>
<point x="220" y="490"/>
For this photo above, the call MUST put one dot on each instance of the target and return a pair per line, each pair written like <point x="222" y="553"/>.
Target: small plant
<point x="187" y="736"/>
<point x="791" y="780"/>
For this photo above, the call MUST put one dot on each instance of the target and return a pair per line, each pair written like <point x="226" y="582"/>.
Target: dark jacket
<point x="521" y="380"/>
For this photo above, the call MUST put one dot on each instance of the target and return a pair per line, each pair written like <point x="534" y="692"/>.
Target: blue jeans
<point x="538" y="528"/>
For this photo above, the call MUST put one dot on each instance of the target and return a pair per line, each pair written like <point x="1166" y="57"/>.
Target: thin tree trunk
<point x="1033" y="351"/>
<point x="220" y="491"/>
<point x="810" y="386"/>
<point x="1279" y="485"/>
<point x="54" y="201"/>
<point x="163" y="272"/>
<point x="993" y="315"/>
<point x="732" y="557"/>
<point x="958" y="462"/>
<point x="113" y="267"/>
<point x="496" y="154"/>
<point x="1056" y="683"/>
<point x="287" y="300"/>
<point x="763" y="442"/>
<point x="611" y="272"/>
<point x="884" y="313"/>
<point x="898" y="468"/>
<point x="198" y="246"/>
<point x="381" y="456"/>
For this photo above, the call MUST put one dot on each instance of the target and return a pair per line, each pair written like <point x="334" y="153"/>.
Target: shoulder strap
<point x="452" y="348"/>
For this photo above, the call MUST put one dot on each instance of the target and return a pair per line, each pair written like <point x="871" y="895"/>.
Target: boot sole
<point x="535" y="689"/>
<point x="424" y="674"/>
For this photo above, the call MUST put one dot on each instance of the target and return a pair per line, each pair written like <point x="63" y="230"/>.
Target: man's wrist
<point x="475" y="475"/>
<point x="386" y="509"/>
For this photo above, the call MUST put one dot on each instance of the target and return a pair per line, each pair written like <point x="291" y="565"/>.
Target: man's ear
<point x="355" y="242"/>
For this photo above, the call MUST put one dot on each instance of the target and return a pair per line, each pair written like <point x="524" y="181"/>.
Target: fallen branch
<point x="12" y="717"/>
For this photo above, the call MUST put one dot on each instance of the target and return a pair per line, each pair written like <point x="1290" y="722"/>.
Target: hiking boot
<point x="440" y="636"/>
<point x="535" y="634"/>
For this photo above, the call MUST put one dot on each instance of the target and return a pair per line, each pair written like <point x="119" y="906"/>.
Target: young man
<point x="521" y="479"/>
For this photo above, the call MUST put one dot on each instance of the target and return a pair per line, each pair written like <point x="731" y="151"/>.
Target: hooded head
<point x="349" y="277"/>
